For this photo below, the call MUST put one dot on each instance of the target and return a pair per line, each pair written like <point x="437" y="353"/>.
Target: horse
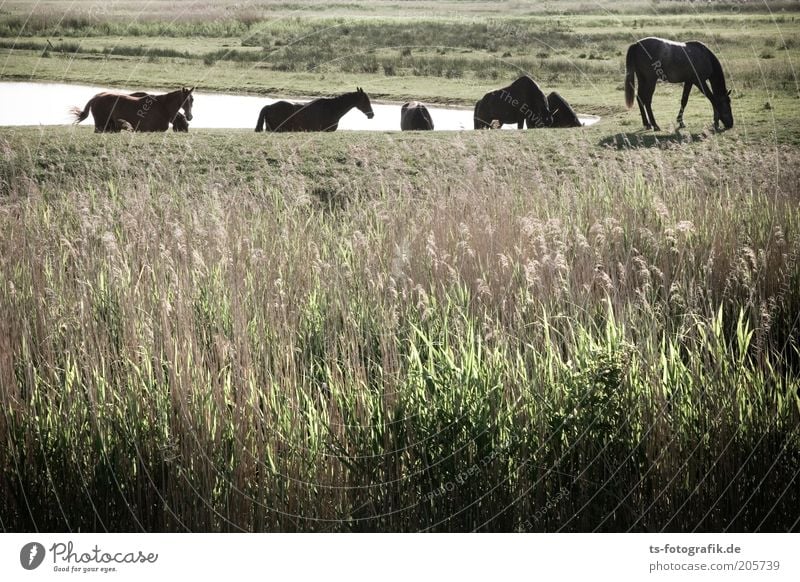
<point x="318" y="115"/>
<point x="690" y="63"/>
<point x="145" y="113"/>
<point x="179" y="124"/>
<point x="563" y="114"/>
<point x="522" y="102"/>
<point x="414" y="115"/>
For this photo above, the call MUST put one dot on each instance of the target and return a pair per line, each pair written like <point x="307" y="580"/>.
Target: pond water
<point x="49" y="103"/>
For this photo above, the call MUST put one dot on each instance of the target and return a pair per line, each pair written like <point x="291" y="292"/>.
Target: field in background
<point x="439" y="52"/>
<point x="494" y="331"/>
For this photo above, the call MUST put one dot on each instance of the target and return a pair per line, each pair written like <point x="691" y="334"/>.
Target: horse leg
<point x="643" y="88"/>
<point x="646" y="104"/>
<point x="99" y="127"/>
<point x="707" y="92"/>
<point x="687" y="88"/>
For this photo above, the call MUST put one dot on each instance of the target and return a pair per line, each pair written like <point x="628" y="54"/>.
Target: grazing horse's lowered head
<point x="562" y="112"/>
<point x="722" y="110"/>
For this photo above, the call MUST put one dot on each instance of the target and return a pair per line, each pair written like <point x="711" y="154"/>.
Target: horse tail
<point x="81" y="115"/>
<point x="262" y="117"/>
<point x="477" y="121"/>
<point x="629" y="75"/>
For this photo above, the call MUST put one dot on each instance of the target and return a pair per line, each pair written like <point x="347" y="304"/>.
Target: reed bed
<point x="411" y="334"/>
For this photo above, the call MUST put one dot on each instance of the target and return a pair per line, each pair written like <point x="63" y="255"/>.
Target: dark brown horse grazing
<point x="563" y="115"/>
<point x="318" y="115"/>
<point x="522" y="102"/>
<point x="414" y="116"/>
<point x="145" y="113"/>
<point x="179" y="124"/>
<point x="691" y="63"/>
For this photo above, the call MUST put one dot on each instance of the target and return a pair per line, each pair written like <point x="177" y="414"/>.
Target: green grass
<point x="216" y="331"/>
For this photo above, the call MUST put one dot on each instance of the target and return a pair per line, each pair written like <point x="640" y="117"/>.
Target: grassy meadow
<point x="549" y="330"/>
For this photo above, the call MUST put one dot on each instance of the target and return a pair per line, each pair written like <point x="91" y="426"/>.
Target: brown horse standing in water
<point x="414" y="116"/>
<point x="691" y="63"/>
<point x="522" y="102"/>
<point x="112" y="111"/>
<point x="318" y="115"/>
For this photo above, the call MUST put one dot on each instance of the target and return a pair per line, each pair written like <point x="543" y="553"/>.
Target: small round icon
<point x="31" y="555"/>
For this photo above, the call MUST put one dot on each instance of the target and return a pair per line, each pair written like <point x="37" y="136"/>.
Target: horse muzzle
<point x="189" y="116"/>
<point x="370" y="115"/>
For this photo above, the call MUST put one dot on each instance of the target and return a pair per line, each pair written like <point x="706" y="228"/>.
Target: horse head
<point x="722" y="110"/>
<point x="363" y="103"/>
<point x="188" y="101"/>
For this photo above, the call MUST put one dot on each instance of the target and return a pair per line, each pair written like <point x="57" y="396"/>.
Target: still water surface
<point x="49" y="103"/>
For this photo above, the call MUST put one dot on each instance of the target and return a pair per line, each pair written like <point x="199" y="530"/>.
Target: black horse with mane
<point x="691" y="63"/>
<point x="318" y="115"/>
<point x="522" y="102"/>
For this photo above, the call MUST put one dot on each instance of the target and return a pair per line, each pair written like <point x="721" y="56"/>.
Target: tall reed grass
<point x="476" y="333"/>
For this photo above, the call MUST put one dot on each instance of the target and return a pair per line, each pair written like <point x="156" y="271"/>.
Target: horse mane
<point x="717" y="76"/>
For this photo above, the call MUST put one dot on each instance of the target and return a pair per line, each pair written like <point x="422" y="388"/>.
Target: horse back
<point x="505" y="104"/>
<point x="671" y="61"/>
<point x="141" y="111"/>
<point x="286" y="116"/>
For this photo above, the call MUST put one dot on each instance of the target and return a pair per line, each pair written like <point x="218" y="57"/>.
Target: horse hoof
<point x="656" y="128"/>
